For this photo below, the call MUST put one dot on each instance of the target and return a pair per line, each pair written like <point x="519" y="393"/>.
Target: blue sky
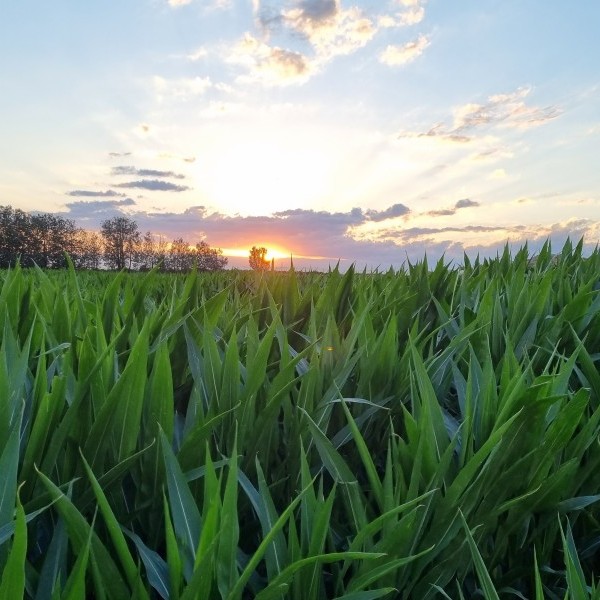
<point x="367" y="131"/>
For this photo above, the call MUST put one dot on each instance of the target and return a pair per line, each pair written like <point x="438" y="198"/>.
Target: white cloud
<point x="270" y="65"/>
<point x="331" y="30"/>
<point x="176" y="3"/>
<point x="400" y="55"/>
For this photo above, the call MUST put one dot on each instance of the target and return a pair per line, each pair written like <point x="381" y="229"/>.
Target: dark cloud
<point x="466" y="203"/>
<point x="446" y="212"/>
<point x="396" y="210"/>
<point x="94" y="194"/>
<point x="92" y="212"/>
<point x="118" y="154"/>
<point x="127" y="170"/>
<point x="154" y="185"/>
<point x="317" y="10"/>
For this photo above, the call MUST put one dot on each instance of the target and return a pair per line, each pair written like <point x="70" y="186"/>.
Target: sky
<point x="369" y="132"/>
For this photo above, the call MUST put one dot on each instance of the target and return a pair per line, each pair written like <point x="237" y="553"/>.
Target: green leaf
<point x="482" y="573"/>
<point x="116" y="536"/>
<point x="184" y="510"/>
<point x="12" y="584"/>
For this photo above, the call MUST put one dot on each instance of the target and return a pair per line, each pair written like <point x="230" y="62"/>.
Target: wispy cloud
<point x="118" y="154"/>
<point x="94" y="194"/>
<point x="154" y="185"/>
<point x="127" y="170"/>
<point x="500" y="111"/>
<point x="394" y="56"/>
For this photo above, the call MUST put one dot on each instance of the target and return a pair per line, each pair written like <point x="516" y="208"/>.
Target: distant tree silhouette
<point x="87" y="253"/>
<point x="209" y="259"/>
<point x="150" y="252"/>
<point x="121" y="238"/>
<point x="257" y="259"/>
<point x="183" y="257"/>
<point x="180" y="256"/>
<point x="38" y="238"/>
<point x="50" y="236"/>
<point x="44" y="239"/>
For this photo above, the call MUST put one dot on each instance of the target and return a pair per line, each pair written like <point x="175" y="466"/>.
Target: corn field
<point x="428" y="433"/>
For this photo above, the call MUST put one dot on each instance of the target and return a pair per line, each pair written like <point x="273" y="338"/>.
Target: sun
<point x="274" y="251"/>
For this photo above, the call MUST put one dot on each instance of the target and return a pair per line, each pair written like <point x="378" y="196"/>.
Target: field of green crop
<point x="433" y="433"/>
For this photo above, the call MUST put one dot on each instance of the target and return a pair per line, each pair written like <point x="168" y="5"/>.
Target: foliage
<point x="257" y="259"/>
<point x="121" y="237"/>
<point x="40" y="239"/>
<point x="44" y="240"/>
<point x="183" y="257"/>
<point x="431" y="433"/>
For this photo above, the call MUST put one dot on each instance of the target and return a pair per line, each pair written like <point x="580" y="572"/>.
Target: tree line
<point x="45" y="239"/>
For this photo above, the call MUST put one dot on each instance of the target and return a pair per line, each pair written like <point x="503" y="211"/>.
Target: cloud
<point x="177" y="3"/>
<point x="269" y="65"/>
<point x="446" y="212"/>
<point x="154" y="185"/>
<point x="86" y="211"/>
<point x="94" y="194"/>
<point x="331" y="236"/>
<point x="127" y="170"/>
<point x="412" y="16"/>
<point x="331" y="30"/>
<point x="466" y="203"/>
<point x="328" y="30"/>
<point x="397" y="210"/>
<point x="500" y="111"/>
<point x="118" y="154"/>
<point x="394" y="56"/>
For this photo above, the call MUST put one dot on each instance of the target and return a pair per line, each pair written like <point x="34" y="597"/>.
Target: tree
<point x="150" y="252"/>
<point x="121" y="237"/>
<point x="87" y="253"/>
<point x="39" y="238"/>
<point x="257" y="259"/>
<point x="181" y="256"/>
<point x="209" y="259"/>
<point x="50" y="236"/>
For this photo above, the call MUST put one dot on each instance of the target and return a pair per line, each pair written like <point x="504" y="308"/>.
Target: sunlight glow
<point x="273" y="251"/>
<point x="264" y="172"/>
